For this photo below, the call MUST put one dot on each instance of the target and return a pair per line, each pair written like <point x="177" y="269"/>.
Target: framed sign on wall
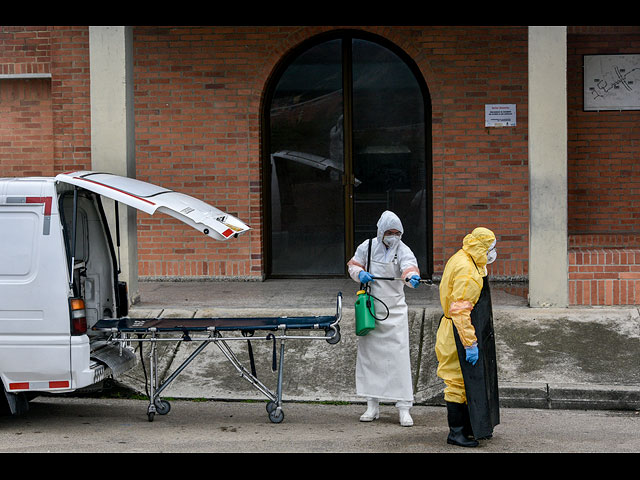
<point x="611" y="82"/>
<point x="500" y="115"/>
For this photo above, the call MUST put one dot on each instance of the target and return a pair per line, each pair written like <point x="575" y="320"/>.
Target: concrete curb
<point x="570" y="397"/>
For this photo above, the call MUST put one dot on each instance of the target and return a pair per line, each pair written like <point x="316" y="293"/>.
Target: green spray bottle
<point x="365" y="313"/>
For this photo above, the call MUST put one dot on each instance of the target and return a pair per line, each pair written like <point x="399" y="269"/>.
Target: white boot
<point x="405" y="417"/>
<point x="373" y="411"/>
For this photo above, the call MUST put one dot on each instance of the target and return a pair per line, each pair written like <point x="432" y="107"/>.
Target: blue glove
<point x="472" y="354"/>
<point x="415" y="281"/>
<point x="365" y="277"/>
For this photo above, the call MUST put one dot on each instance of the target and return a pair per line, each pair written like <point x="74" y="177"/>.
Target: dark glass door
<point x="346" y="142"/>
<point x="307" y="164"/>
<point x="388" y="146"/>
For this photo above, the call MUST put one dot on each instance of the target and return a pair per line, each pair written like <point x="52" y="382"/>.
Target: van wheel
<point x="5" y="409"/>
<point x="13" y="403"/>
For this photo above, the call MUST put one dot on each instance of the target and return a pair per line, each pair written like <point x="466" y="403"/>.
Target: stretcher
<point x="220" y="331"/>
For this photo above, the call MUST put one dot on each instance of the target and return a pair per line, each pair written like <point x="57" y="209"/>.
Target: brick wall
<point x="604" y="147"/>
<point x="64" y="111"/>
<point x="480" y="174"/>
<point x="26" y="128"/>
<point x="25" y="50"/>
<point x="603" y="183"/>
<point x="604" y="276"/>
<point x="71" y="97"/>
<point x="198" y="106"/>
<point x="26" y="135"/>
<point x="198" y="96"/>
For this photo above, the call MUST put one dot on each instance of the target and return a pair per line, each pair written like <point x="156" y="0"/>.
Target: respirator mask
<point x="391" y="240"/>
<point x="492" y="253"/>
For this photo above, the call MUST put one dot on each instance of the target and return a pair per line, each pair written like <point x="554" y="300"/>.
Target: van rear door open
<point x="151" y="198"/>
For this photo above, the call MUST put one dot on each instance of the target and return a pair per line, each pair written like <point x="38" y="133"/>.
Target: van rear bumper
<point x="35" y="362"/>
<point x="91" y="367"/>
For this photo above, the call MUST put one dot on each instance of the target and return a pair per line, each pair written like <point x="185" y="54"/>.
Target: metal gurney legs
<point x="274" y="406"/>
<point x="162" y="407"/>
<point x="156" y="404"/>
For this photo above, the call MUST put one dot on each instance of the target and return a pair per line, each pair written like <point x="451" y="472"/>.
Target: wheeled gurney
<point x="219" y="330"/>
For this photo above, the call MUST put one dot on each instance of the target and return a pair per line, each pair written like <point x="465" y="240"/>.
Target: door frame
<point x="348" y="183"/>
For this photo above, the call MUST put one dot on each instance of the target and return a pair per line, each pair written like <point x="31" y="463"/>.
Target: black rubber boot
<point x="467" y="430"/>
<point x="455" y="418"/>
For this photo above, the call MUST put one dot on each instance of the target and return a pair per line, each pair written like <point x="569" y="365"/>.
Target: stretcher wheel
<point x="150" y="416"/>
<point x="271" y="406"/>
<point x="335" y="338"/>
<point x="162" y="407"/>
<point x="276" y="415"/>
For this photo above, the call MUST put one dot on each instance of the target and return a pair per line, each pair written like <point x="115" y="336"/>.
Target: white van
<point x="59" y="276"/>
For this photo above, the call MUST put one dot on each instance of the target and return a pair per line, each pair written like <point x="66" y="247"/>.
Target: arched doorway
<point x="347" y="123"/>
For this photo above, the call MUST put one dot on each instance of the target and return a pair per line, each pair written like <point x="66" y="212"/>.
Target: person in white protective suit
<point x="383" y="367"/>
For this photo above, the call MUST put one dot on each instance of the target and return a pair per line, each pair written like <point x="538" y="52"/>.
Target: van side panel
<point x="34" y="311"/>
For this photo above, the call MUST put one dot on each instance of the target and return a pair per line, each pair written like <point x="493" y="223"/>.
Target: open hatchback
<point x="151" y="198"/>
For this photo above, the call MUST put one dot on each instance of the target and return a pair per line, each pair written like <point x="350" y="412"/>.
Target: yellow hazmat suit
<point x="460" y="289"/>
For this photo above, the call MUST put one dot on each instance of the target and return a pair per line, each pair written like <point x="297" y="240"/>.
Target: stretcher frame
<point x="217" y="330"/>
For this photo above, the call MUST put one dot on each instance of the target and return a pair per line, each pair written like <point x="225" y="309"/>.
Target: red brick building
<point x="220" y="112"/>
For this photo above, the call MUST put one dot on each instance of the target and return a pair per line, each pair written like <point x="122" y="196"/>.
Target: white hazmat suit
<point x="383" y="367"/>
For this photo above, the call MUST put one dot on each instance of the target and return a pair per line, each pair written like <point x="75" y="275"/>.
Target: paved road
<point x="121" y="425"/>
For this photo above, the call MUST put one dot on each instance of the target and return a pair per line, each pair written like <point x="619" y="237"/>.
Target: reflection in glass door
<point x="388" y="146"/>
<point x="346" y="141"/>
<point x="307" y="201"/>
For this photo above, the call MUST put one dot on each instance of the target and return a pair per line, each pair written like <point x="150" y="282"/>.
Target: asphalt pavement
<point x="87" y="425"/>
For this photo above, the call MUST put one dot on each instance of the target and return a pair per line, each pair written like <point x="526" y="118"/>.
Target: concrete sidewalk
<point x="584" y="358"/>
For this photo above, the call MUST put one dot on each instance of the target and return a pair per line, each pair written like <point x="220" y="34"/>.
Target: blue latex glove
<point x="414" y="281"/>
<point x="472" y="354"/>
<point x="365" y="277"/>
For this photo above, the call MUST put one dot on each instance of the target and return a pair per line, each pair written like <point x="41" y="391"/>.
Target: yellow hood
<point x="477" y="243"/>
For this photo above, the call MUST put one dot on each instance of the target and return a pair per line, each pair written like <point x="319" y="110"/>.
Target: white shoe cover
<point x="405" y="417"/>
<point x="372" y="413"/>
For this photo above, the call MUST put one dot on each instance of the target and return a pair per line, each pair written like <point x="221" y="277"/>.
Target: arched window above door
<point x="347" y="137"/>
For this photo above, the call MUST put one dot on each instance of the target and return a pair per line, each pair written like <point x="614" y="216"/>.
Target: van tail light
<point x="78" y="316"/>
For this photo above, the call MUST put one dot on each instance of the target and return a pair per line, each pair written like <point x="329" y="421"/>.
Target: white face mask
<point x="391" y="240"/>
<point x="491" y="255"/>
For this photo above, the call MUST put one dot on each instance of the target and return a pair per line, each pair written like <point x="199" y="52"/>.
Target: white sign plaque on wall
<point x="611" y="82"/>
<point x="500" y="115"/>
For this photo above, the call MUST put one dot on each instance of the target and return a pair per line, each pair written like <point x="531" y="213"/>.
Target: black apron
<point x="481" y="379"/>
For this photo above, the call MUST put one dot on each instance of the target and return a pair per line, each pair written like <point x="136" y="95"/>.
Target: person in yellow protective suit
<point x="465" y="345"/>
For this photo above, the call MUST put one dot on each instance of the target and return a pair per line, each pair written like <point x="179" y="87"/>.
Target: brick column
<point x="112" y="130"/>
<point x="548" y="263"/>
